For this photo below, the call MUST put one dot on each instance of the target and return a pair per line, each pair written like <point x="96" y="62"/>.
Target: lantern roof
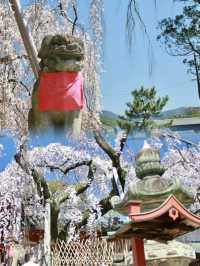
<point x="164" y="223"/>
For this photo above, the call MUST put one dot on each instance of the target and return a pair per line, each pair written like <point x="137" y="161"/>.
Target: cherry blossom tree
<point x="79" y="181"/>
<point x="84" y="175"/>
<point x="16" y="86"/>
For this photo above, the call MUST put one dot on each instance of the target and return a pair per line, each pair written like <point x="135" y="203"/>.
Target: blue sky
<point x="124" y="72"/>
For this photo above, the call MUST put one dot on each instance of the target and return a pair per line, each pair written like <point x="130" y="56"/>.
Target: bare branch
<point x="193" y="47"/>
<point x="42" y="186"/>
<point x="82" y="187"/>
<point x="105" y="207"/>
<point x="75" y="19"/>
<point x="123" y="142"/>
<point x="8" y="59"/>
<point x="73" y="22"/>
<point x="62" y="168"/>
<point x="197" y="73"/>
<point x="106" y="147"/>
<point x="187" y="142"/>
<point x="113" y="155"/>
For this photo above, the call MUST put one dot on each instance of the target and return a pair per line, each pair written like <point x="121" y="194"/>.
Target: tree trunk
<point x="54" y="222"/>
<point x="26" y="36"/>
<point x="47" y="234"/>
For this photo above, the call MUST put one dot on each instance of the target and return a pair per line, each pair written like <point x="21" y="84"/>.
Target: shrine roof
<point x="164" y="223"/>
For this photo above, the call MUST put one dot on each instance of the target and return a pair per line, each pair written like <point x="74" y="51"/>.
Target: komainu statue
<point x="58" y="95"/>
<point x="61" y="53"/>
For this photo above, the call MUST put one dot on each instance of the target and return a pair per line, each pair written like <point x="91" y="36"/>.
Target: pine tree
<point x="144" y="106"/>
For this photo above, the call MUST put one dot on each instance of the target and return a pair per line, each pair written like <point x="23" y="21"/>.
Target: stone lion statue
<point x="58" y="53"/>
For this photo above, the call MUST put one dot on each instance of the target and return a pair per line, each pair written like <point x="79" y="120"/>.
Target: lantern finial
<point x="148" y="162"/>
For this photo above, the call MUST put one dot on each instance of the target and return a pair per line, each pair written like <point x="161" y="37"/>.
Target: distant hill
<point x="109" y="114"/>
<point x="109" y="119"/>
<point x="181" y="112"/>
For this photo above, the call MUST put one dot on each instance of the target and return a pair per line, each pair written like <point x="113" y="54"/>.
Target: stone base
<point x="158" y="254"/>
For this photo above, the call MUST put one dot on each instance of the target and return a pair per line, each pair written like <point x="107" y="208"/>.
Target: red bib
<point x="60" y="91"/>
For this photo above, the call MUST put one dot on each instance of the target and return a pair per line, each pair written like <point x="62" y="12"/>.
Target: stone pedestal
<point x="172" y="254"/>
<point x="158" y="254"/>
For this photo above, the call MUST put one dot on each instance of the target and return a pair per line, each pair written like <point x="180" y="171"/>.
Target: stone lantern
<point x="157" y="208"/>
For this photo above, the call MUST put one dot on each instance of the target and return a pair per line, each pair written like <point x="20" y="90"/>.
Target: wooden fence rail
<point x="92" y="252"/>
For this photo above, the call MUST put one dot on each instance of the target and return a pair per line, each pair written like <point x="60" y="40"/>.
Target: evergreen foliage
<point x="180" y="35"/>
<point x="144" y="106"/>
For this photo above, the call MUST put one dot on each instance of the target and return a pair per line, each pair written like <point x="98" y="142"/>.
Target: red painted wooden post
<point x="138" y="252"/>
<point x="137" y="244"/>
